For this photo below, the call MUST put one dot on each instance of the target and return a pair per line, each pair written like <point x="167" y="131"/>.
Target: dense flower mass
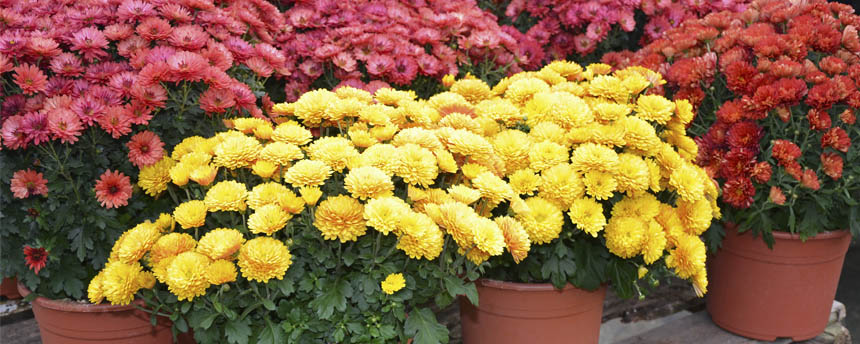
<point x="782" y="78"/>
<point x="595" y="156"/>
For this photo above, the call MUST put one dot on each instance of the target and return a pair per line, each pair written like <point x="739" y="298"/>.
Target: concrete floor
<point x="849" y="290"/>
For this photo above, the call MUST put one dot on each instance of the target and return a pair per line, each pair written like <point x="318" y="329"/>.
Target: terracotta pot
<point x="9" y="289"/>
<point x="531" y="313"/>
<point x="765" y="294"/>
<point x="70" y="322"/>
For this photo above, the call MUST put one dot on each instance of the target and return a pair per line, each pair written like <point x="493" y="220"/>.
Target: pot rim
<point x="820" y="236"/>
<point x="71" y="306"/>
<point x="534" y="287"/>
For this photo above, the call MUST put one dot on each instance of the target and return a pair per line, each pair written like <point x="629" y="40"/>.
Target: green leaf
<point x="270" y="334"/>
<point x="238" y="331"/>
<point x="185" y="307"/>
<point x="623" y="276"/>
<point x="424" y="328"/>
<point x="334" y="297"/>
<point x="471" y="293"/>
<point x="454" y="286"/>
<point x="286" y="286"/>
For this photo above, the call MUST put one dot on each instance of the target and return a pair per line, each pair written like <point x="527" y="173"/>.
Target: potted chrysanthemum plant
<point x="610" y="195"/>
<point x="776" y="88"/>
<point x="85" y="102"/>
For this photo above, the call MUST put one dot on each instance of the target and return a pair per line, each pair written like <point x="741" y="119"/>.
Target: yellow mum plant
<point x="351" y="208"/>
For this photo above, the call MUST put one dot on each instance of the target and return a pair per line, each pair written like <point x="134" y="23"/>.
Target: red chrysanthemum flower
<point x="784" y="150"/>
<point x="138" y="113"/>
<point x="739" y="192"/>
<point x="810" y="180"/>
<point x="818" y="120"/>
<point x="836" y="138"/>
<point x="145" y="148"/>
<point x="88" y="109"/>
<point x="26" y="183"/>
<point x="13" y="136"/>
<point x="186" y="65"/>
<point x="744" y="134"/>
<point x="154" y="29"/>
<point x="115" y="122"/>
<point x="113" y="189"/>
<point x="90" y="42"/>
<point x="151" y="95"/>
<point x="35" y="257"/>
<point x="189" y="37"/>
<point x="35" y="126"/>
<point x="776" y="195"/>
<point x="30" y="79"/>
<point x="832" y="165"/>
<point x="848" y="117"/>
<point x="793" y="169"/>
<point x="761" y="172"/>
<point x="737" y="163"/>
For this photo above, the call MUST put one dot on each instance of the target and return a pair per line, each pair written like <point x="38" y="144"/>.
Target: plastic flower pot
<point x="531" y="313"/>
<point x="765" y="294"/>
<point x="70" y="322"/>
<point x="9" y="289"/>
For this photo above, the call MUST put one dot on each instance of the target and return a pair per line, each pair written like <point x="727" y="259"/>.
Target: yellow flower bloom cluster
<point x="563" y="149"/>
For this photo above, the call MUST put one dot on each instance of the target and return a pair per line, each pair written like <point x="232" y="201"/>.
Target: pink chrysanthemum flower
<point x="88" y="109"/>
<point x="175" y="12"/>
<point x="26" y="183"/>
<point x="67" y="64"/>
<point x="13" y="136"/>
<point x="113" y="189"/>
<point x="215" y="100"/>
<point x="90" y="42"/>
<point x="145" y="148"/>
<point x="118" y="31"/>
<point x="154" y="29"/>
<point x="35" y="126"/>
<point x="186" y="65"/>
<point x="43" y="47"/>
<point x="189" y="37"/>
<point x="152" y="95"/>
<point x="114" y="122"/>
<point x="134" y="10"/>
<point x="64" y="125"/>
<point x="30" y="79"/>
<point x="259" y="66"/>
<point x="138" y="113"/>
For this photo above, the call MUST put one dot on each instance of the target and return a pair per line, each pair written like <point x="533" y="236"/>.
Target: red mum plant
<point x="777" y="93"/>
<point x="36" y="258"/>
<point x="113" y="189"/>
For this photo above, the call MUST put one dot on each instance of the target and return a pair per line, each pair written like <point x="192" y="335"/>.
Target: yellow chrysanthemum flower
<point x="228" y="195"/>
<point x="654" y="108"/>
<point x="544" y="221"/>
<point x="464" y="194"/>
<point x="153" y="179"/>
<point x="632" y="174"/>
<point x="186" y="275"/>
<point x="415" y="164"/>
<point x="625" y="236"/>
<point x="179" y="174"/>
<point x="204" y="175"/>
<point x="549" y="131"/>
<point x="512" y="146"/>
<point x="474" y="90"/>
<point x="188" y="145"/>
<point x="311" y="106"/>
<point x="310" y="194"/>
<point x="390" y="96"/>
<point x="360" y="135"/>
<point x="457" y="220"/>
<point x="220" y="272"/>
<point x="220" y="243"/>
<point x="608" y="135"/>
<point x="488" y="237"/>
<point x="492" y="188"/>
<point x="640" y="135"/>
<point x="521" y="91"/>
<point x="292" y="132"/>
<point x="247" y="124"/>
<point x="165" y="222"/>
<point x="294" y="204"/>
<point x="524" y="181"/>
<point x="419" y="237"/>
<point x="655" y="242"/>
<point x="594" y="157"/>
<point x="120" y="282"/>
<point x="376" y="114"/>
<point x="333" y="151"/>
<point x="688" y="257"/>
<point x="599" y="185"/>
<point x="264" y="131"/>
<point x="349" y="107"/>
<point x="393" y="283"/>
<point x="346" y="92"/>
<point x="516" y="238"/>
<point x="237" y="151"/>
<point x="382" y="156"/>
<point x="419" y="136"/>
<point x="266" y="193"/>
<point x="268" y="219"/>
<point x="561" y="184"/>
<point x="546" y="154"/>
<point x="464" y="142"/>
<point x="501" y="110"/>
<point x="308" y="173"/>
<point x="644" y="206"/>
<point x="670" y="221"/>
<point x="458" y="120"/>
<point x="684" y="111"/>
<point x="384" y="213"/>
<point x="587" y="215"/>
<point x="608" y="86"/>
<point x="146" y="280"/>
<point x="607" y="112"/>
<point x="340" y="217"/>
<point x="281" y="153"/>
<point x="561" y="108"/>
<point x="368" y="182"/>
<point x="688" y="182"/>
<point x="190" y="214"/>
<point x="170" y="245"/>
<point x="446" y="161"/>
<point x="134" y="243"/>
<point x="696" y="216"/>
<point x="95" y="292"/>
<point x="264" y="258"/>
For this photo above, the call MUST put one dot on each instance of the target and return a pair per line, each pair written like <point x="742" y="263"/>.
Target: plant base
<point x="532" y="313"/>
<point x="785" y="292"/>
<point x="70" y="322"/>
